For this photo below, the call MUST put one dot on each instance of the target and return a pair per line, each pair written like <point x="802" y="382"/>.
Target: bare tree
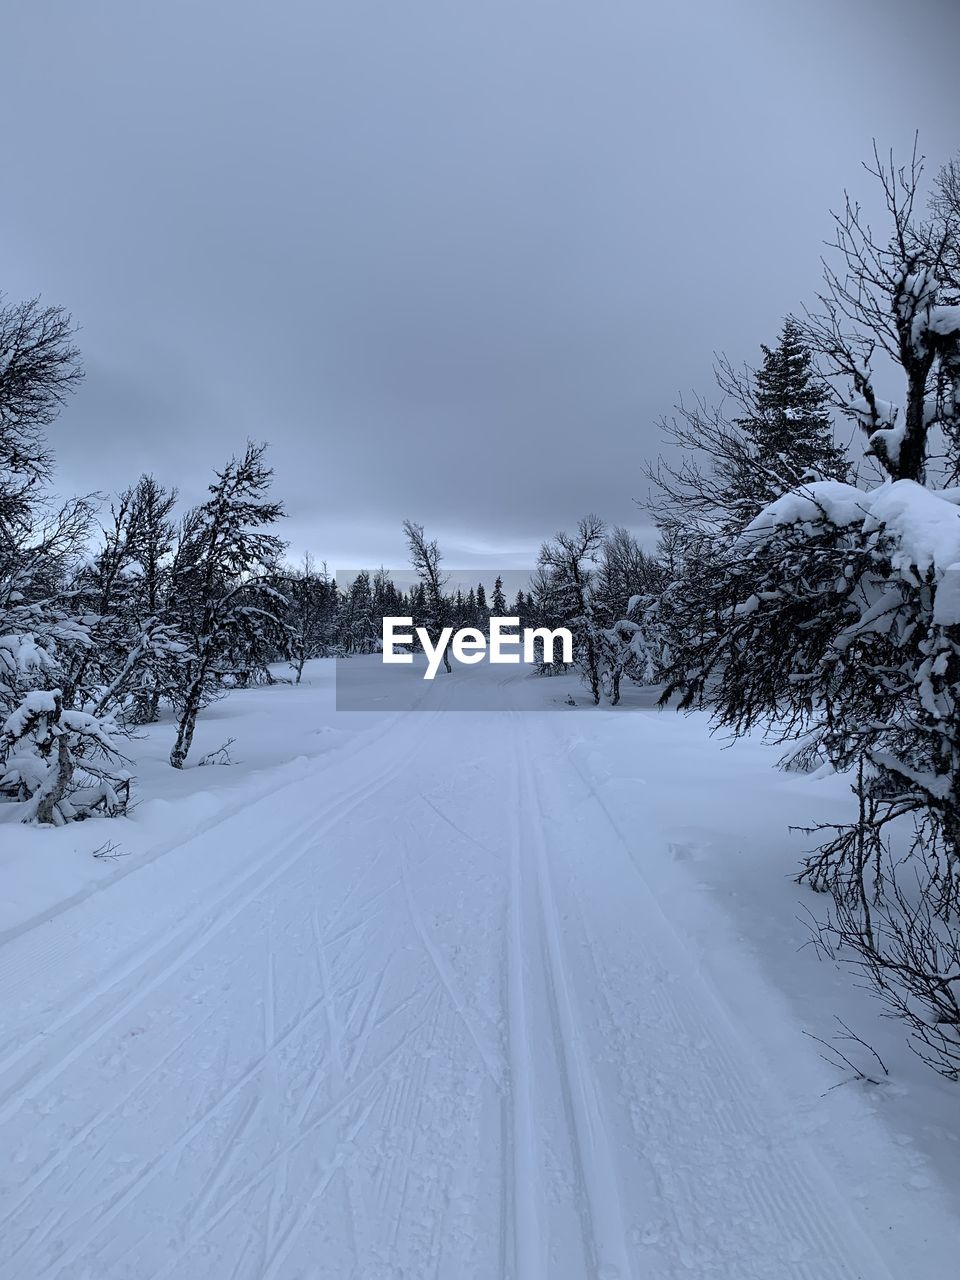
<point x="39" y="367"/>
<point x="310" y="617"/>
<point x="886" y="295"/>
<point x="220" y="574"/>
<point x="425" y="557"/>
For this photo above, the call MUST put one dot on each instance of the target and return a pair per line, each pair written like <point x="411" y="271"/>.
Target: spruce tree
<point x="520" y="608"/>
<point x="498" y="601"/>
<point x="791" y="428"/>
<point x="359" y="625"/>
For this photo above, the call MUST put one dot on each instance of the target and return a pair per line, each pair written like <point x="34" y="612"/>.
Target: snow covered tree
<point x="39" y="368"/>
<point x="771" y="430"/>
<point x="628" y="647"/>
<point x="221" y="583"/>
<point x="58" y="763"/>
<point x="360" y="627"/>
<point x="135" y="654"/>
<point x="498" y="601"/>
<point x="310" y="616"/>
<point x="62" y="764"/>
<point x="568" y="566"/>
<point x="626" y="572"/>
<point x="893" y="296"/>
<point x="150" y="547"/>
<point x="833" y="618"/>
<point x="387" y="601"/>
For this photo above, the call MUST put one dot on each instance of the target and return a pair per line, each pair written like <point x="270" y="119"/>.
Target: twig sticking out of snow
<point x="109" y="850"/>
<point x="835" y="1053"/>
<point x="220" y="756"/>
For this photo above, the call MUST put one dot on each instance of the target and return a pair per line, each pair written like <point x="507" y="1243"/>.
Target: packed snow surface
<point x="495" y="994"/>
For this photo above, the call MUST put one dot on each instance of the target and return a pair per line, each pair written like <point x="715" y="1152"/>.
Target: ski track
<point x="604" y="1234"/>
<point x="392" y="1045"/>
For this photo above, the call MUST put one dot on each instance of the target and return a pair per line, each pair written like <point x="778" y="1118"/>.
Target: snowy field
<point x="439" y="994"/>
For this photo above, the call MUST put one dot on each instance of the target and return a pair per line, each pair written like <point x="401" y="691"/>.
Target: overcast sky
<point x="452" y="259"/>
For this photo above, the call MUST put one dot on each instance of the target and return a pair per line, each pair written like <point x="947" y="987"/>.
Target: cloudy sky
<point x="452" y="258"/>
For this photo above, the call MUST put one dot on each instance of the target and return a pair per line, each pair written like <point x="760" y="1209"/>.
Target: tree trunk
<point x="56" y="787"/>
<point x="188" y="721"/>
<point x="615" y="690"/>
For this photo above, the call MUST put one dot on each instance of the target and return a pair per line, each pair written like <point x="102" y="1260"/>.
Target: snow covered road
<point x="430" y="1013"/>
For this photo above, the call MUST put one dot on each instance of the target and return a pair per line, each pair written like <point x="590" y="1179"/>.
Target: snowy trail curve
<point x="430" y="1021"/>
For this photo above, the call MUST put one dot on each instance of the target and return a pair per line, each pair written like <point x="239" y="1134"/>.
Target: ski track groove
<point x="724" y="1085"/>
<point x="338" y="1076"/>
<point x="366" y="1026"/>
<point x="605" y="1237"/>
<point x="222" y="1166"/>
<point x="526" y="1182"/>
<point x="253" y="886"/>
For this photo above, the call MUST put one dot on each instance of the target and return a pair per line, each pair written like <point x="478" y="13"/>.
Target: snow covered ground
<point x="439" y="994"/>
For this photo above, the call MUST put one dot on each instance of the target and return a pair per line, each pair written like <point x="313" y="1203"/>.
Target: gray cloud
<point x="451" y="260"/>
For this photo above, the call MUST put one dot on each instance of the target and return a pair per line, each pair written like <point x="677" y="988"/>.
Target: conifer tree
<point x="521" y="608"/>
<point x="731" y="465"/>
<point x="360" y="628"/>
<point x="791" y="427"/>
<point x="498" y="601"/>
